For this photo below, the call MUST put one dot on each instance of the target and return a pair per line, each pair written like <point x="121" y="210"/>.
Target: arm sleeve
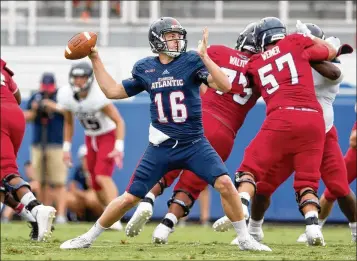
<point x="310" y="50"/>
<point x="316" y="53"/>
<point x="133" y="86"/>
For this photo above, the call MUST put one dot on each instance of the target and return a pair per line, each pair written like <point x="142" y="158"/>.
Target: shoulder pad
<point x="192" y="56"/>
<point x="142" y="65"/>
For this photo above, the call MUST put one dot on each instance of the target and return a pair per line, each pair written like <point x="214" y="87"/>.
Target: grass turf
<point x="186" y="243"/>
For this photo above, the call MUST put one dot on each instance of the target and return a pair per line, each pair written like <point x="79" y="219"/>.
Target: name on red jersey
<point x="270" y="53"/>
<point x="237" y="62"/>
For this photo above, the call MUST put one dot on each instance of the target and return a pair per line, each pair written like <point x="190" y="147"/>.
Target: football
<point x="80" y="45"/>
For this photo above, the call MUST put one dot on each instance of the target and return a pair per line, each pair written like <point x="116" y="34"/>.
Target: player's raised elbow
<point x="335" y="74"/>
<point x="110" y="94"/>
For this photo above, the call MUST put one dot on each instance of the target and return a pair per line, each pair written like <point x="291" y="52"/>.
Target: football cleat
<point x="141" y="216"/>
<point x="249" y="243"/>
<point x="78" y="242"/>
<point x="44" y="217"/>
<point x="161" y="234"/>
<point x="116" y="226"/>
<point x="34" y="231"/>
<point x="314" y="235"/>
<point x="256" y="232"/>
<point x="222" y="225"/>
<point x="302" y="238"/>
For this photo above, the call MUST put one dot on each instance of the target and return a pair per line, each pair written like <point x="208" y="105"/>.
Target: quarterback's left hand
<point x="202" y="44"/>
<point x="118" y="157"/>
<point x="302" y="28"/>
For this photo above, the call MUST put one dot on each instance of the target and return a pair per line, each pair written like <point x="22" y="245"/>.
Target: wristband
<point x="67" y="146"/>
<point x="119" y="145"/>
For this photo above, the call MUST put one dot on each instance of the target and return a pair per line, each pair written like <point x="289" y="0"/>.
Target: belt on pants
<point x="296" y="108"/>
<point x="174" y="143"/>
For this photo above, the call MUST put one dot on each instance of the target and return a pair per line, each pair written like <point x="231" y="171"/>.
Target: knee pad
<point x="182" y="204"/>
<point x="307" y="201"/>
<point x="238" y="179"/>
<point x="13" y="188"/>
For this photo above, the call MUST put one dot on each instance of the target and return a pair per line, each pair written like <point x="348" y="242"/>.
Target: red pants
<point x="333" y="170"/>
<point x="350" y="162"/>
<point x="12" y="132"/>
<point x="98" y="162"/>
<point x="221" y="139"/>
<point x="298" y="135"/>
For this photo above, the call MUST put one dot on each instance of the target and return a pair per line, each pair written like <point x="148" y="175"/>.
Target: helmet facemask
<point x="80" y="72"/>
<point x="161" y="44"/>
<point x="245" y="42"/>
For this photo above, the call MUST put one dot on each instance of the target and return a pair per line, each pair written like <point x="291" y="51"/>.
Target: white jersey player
<point x="103" y="127"/>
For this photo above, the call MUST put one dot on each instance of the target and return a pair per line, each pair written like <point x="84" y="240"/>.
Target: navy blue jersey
<point x="174" y="92"/>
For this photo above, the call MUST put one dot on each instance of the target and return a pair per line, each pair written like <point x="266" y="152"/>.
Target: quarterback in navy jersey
<point x="173" y="80"/>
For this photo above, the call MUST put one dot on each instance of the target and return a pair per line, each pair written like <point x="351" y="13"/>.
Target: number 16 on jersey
<point x="178" y="108"/>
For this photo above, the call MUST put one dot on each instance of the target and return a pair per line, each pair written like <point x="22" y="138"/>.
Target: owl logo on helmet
<point x="267" y="31"/>
<point x="81" y="77"/>
<point x="245" y="39"/>
<point x="157" y="37"/>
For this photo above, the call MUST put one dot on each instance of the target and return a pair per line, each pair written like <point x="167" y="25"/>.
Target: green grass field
<point x="188" y="243"/>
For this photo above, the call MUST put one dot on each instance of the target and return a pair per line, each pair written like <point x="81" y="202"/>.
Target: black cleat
<point x="34" y="231"/>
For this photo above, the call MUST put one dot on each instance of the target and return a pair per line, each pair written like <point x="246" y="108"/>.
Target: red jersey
<point x="8" y="86"/>
<point x="283" y="73"/>
<point x="230" y="108"/>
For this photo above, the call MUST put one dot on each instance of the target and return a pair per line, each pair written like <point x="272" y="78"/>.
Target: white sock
<point x="353" y="227"/>
<point x="322" y="222"/>
<point x="27" y="198"/>
<point x="241" y="228"/>
<point x="151" y="196"/>
<point x="311" y="213"/>
<point x="255" y="223"/>
<point x="172" y="217"/>
<point x="26" y="215"/>
<point x="94" y="232"/>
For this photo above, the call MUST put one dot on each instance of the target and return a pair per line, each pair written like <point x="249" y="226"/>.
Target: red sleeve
<point x="300" y="40"/>
<point x="316" y="53"/>
<point x="12" y="85"/>
<point x="354" y="126"/>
